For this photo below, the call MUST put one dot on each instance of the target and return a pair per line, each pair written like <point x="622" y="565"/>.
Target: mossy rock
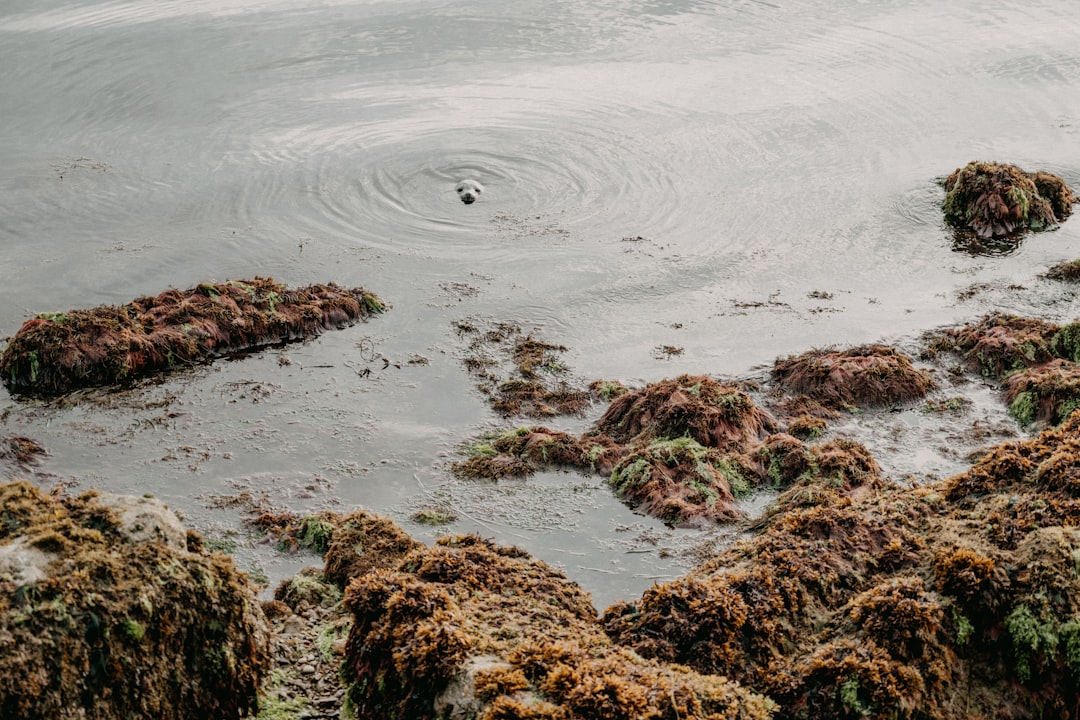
<point x="1000" y="343"/>
<point x="100" y="626"/>
<point x="1045" y="394"/>
<point x="683" y="482"/>
<point x="881" y="601"/>
<point x="999" y="199"/>
<point x="713" y="414"/>
<point x="468" y="628"/>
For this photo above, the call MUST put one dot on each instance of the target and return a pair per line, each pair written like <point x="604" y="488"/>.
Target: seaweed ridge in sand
<point x="55" y="353"/>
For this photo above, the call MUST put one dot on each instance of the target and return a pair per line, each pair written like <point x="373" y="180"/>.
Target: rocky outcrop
<point x="469" y="629"/>
<point x="110" y="609"/>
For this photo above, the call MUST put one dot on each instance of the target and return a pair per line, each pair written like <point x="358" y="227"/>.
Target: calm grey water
<point x="756" y="151"/>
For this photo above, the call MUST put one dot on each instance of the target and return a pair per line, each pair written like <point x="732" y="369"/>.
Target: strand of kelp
<point x="55" y="353"/>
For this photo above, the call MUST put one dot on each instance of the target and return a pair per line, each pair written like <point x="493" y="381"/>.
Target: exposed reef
<point x="881" y="601"/>
<point x="1000" y="200"/>
<point x="1035" y="360"/>
<point x="55" y="353"/>
<point x="110" y="609"/>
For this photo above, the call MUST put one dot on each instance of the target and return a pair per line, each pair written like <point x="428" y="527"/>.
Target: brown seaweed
<point x="55" y="353"/>
<point x="999" y="200"/>
<point x="863" y="376"/>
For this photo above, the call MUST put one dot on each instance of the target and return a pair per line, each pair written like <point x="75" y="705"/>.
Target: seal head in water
<point x="469" y="191"/>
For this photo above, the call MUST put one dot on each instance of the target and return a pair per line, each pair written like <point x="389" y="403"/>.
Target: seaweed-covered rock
<point x="105" y="613"/>
<point x="55" y="353"/>
<point x="998" y="200"/>
<point x="864" y="376"/>
<point x="953" y="600"/>
<point x="682" y="482"/>
<point x="1045" y="394"/>
<point x="696" y="406"/>
<point x="469" y="629"/>
<point x="1000" y="343"/>
<point x="363" y="541"/>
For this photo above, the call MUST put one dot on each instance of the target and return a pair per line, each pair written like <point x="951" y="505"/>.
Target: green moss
<point x="328" y="635"/>
<point x="1066" y="342"/>
<point x="632" y="475"/>
<point x="1030" y="635"/>
<point x="1023" y="408"/>
<point x="737" y="481"/>
<point x="849" y="696"/>
<point x="133" y="629"/>
<point x="1070" y="641"/>
<point x="316" y="533"/>
<point x="372" y="303"/>
<point x="56" y="317"/>
<point x="964" y="628"/>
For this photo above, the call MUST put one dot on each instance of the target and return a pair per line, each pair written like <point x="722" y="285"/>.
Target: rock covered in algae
<point x="863" y="376"/>
<point x="685" y="450"/>
<point x="682" y="482"/>
<point x="954" y="600"/>
<point x="55" y="353"/>
<point x="713" y="414"/>
<point x="1035" y="359"/>
<point x="469" y="629"/>
<point x="998" y="200"/>
<point x="1000" y="343"/>
<point x="105" y="613"/>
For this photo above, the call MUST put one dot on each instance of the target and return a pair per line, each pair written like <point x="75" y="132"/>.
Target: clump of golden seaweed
<point x="999" y="199"/>
<point x="106" y="627"/>
<point x="55" y="353"/>
<point x="468" y="628"/>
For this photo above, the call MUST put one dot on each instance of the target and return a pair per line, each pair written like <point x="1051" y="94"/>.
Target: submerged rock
<point x="105" y="613"/>
<point x="55" y="353"/>
<point x="999" y="200"/>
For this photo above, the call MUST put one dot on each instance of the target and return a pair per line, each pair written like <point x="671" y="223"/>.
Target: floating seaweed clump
<point x="20" y="451"/>
<point x="534" y="382"/>
<point x="471" y="629"/>
<point x="97" y="623"/>
<point x="55" y="353"/>
<point x="864" y="376"/>
<point x="1068" y="271"/>
<point x="999" y="200"/>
